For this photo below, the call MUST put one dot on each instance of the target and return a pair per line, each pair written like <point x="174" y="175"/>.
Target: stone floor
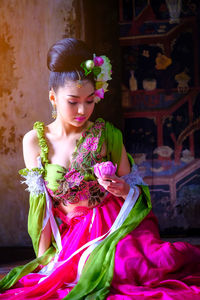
<point x="12" y="257"/>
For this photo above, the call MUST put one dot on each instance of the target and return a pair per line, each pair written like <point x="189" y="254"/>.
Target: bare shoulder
<point x="30" y="141"/>
<point x="31" y="149"/>
<point x="30" y="137"/>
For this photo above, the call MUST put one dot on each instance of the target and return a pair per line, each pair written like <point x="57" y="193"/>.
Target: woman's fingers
<point x="111" y="182"/>
<point x="111" y="178"/>
<point x="115" y="185"/>
<point x="104" y="183"/>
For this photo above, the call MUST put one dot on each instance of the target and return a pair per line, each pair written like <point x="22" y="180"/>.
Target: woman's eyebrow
<point x="74" y="96"/>
<point x="91" y="95"/>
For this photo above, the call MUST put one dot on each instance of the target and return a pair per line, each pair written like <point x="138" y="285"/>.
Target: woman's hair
<point x="64" y="60"/>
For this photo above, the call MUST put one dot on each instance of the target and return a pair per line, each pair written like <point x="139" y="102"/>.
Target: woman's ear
<point x="52" y="97"/>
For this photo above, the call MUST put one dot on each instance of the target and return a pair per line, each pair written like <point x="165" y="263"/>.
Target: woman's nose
<point x="81" y="109"/>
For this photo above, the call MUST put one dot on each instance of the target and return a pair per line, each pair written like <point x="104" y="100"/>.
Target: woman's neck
<point x="65" y="129"/>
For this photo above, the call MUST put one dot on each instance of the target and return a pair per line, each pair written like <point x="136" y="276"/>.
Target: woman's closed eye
<point x="72" y="102"/>
<point x="90" y="101"/>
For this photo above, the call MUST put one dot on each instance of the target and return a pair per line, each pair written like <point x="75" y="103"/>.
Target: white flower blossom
<point x="105" y="74"/>
<point x="34" y="181"/>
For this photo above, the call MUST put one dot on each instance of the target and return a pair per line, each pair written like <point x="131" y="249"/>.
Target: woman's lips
<point x="80" y="119"/>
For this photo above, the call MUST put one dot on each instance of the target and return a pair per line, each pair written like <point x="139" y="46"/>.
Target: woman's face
<point x="74" y="104"/>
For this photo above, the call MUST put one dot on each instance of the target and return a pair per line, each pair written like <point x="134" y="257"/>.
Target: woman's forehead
<point x="73" y="88"/>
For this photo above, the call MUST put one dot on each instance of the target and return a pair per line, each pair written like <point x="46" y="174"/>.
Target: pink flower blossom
<point x="104" y="168"/>
<point x="73" y="178"/>
<point x="99" y="93"/>
<point x="91" y="144"/>
<point x="98" y="61"/>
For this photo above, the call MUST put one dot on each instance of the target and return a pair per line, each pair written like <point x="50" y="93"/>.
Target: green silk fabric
<point x="52" y="175"/>
<point x="36" y="214"/>
<point x="96" y="278"/>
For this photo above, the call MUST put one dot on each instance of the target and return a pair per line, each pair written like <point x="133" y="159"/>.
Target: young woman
<point x="90" y="217"/>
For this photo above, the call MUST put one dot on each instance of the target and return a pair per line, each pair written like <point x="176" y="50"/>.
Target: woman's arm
<point x="124" y="167"/>
<point x="31" y="151"/>
<point x="45" y="239"/>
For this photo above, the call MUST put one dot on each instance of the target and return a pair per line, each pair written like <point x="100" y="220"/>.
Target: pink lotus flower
<point x="98" y="61"/>
<point x="104" y="168"/>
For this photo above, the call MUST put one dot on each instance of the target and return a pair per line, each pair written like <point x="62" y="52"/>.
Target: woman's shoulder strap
<point x="39" y="127"/>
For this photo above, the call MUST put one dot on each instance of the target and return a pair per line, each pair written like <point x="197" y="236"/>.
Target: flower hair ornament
<point x="101" y="68"/>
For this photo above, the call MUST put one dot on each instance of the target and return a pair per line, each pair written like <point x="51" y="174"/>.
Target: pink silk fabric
<point x="145" y="266"/>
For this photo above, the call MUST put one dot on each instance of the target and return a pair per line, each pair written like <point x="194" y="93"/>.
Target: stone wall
<point x="27" y="29"/>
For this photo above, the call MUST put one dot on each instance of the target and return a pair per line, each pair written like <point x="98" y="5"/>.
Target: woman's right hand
<point x="115" y="185"/>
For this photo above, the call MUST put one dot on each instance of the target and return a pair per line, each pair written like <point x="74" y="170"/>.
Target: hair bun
<point x="67" y="55"/>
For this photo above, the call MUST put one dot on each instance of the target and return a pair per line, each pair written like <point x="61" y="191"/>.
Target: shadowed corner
<point x="11" y="257"/>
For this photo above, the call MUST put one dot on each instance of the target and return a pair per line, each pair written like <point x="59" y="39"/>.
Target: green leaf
<point x="85" y="69"/>
<point x="89" y="177"/>
<point x="96" y="71"/>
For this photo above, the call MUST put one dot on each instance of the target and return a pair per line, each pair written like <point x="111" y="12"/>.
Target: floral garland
<point x="102" y="70"/>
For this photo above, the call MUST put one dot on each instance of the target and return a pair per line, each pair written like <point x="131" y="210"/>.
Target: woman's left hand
<point x="115" y="185"/>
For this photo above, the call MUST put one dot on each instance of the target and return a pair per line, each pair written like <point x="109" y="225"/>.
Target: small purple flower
<point x="104" y="168"/>
<point x="98" y="61"/>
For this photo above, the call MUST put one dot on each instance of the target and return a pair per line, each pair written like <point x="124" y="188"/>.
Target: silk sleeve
<point x="40" y="208"/>
<point x="37" y="204"/>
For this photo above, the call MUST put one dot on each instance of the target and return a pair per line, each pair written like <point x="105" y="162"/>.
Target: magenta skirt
<point x="145" y="266"/>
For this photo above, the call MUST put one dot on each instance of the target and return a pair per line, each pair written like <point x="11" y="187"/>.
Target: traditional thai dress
<point x="105" y="247"/>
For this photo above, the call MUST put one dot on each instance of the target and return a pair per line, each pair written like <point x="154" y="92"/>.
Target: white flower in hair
<point x="106" y="67"/>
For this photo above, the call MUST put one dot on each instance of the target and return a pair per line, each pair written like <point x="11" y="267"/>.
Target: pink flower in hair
<point x="99" y="93"/>
<point x="104" y="168"/>
<point x="98" y="61"/>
